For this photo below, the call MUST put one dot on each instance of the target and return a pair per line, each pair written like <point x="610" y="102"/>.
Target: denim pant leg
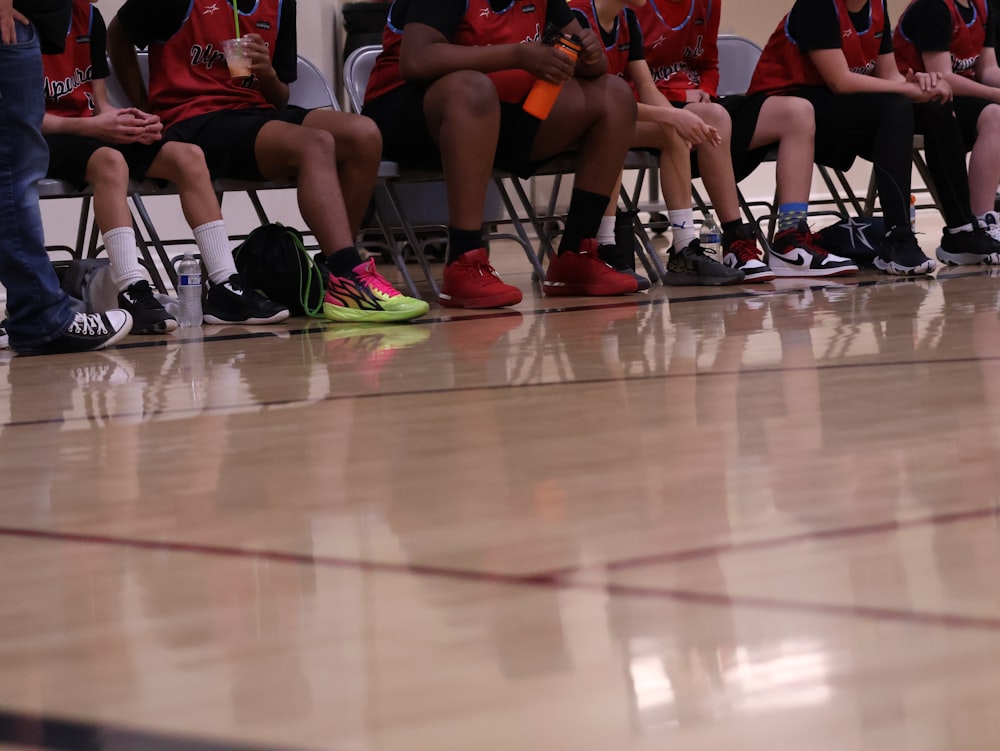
<point x="37" y="309"/>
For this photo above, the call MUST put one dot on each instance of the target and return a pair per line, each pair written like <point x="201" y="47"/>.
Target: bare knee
<point x="107" y="166"/>
<point x="178" y="161"/>
<point x="467" y="93"/>
<point x="360" y="139"/>
<point x="791" y="116"/>
<point x="989" y="121"/>
<point x="715" y="115"/>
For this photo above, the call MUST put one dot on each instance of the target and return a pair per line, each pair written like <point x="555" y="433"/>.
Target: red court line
<point x="546" y="581"/>
<point x="835" y="533"/>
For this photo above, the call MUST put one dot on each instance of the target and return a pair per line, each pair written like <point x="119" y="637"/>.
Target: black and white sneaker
<point x="231" y="302"/>
<point x="148" y="314"/>
<point x="970" y="248"/>
<point x="900" y="255"/>
<point x="87" y="332"/>
<point x="4" y="338"/>
<point x="744" y="255"/>
<point x="990" y="221"/>
<point x="798" y="252"/>
<point x="691" y="266"/>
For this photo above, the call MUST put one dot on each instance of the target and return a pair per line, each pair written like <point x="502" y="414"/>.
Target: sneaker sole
<point x="564" y="289"/>
<point x="758" y="276"/>
<point x="493" y="301"/>
<point x="967" y="259"/>
<point x="892" y="268"/>
<point x="220" y="321"/>
<point x="675" y="279"/>
<point x="355" y="315"/>
<point x="116" y="337"/>
<point x="815" y="273"/>
<point x="160" y="327"/>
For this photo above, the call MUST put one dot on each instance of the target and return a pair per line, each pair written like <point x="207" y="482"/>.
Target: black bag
<point x="855" y="237"/>
<point x="88" y="280"/>
<point x="274" y="261"/>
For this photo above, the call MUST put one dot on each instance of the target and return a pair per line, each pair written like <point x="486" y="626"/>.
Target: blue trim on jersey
<point x="684" y="22"/>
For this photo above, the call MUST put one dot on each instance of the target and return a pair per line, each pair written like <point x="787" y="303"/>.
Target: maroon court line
<point x="771" y="543"/>
<point x="857" y="612"/>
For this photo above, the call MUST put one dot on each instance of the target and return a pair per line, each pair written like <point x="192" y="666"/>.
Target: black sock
<point x="342" y="262"/>
<point x="462" y="241"/>
<point x="583" y="219"/>
<point x="731" y="231"/>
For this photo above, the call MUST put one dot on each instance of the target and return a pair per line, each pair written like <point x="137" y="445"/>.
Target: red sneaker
<point x="584" y="274"/>
<point x="470" y="282"/>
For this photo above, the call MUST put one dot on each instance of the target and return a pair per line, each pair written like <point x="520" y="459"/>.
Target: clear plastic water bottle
<point x="189" y="291"/>
<point x="709" y="236"/>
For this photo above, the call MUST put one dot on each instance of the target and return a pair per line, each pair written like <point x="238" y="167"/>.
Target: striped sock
<point x="790" y="214"/>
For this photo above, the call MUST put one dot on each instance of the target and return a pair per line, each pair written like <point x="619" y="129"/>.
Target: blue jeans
<point x="37" y="309"/>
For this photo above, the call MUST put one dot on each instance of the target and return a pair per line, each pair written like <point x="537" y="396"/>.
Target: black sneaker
<point x="148" y="315"/>
<point x="969" y="248"/>
<point x="618" y="259"/>
<point x="900" y="255"/>
<point x="231" y="302"/>
<point x="692" y="266"/>
<point x="87" y="332"/>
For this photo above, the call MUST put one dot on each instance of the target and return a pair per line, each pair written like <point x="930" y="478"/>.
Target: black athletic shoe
<point x="4" y="339"/>
<point x="148" y="315"/>
<point x="618" y="259"/>
<point x="969" y="248"/>
<point x="231" y="302"/>
<point x="900" y="255"/>
<point x="691" y="266"/>
<point x="87" y="332"/>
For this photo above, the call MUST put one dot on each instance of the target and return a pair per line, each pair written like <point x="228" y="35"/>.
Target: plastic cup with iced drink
<point x="236" y="58"/>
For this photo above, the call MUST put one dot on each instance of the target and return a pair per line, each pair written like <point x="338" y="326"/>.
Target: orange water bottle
<point x="544" y="94"/>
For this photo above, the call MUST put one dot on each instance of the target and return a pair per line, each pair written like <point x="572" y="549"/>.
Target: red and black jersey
<point x="784" y="67"/>
<point x="967" y="41"/>
<point x="69" y="89"/>
<point x="680" y="41"/>
<point x="617" y="44"/>
<point x="517" y="22"/>
<point x="188" y="72"/>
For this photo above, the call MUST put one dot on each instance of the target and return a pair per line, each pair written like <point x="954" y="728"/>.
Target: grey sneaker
<point x="691" y="266"/>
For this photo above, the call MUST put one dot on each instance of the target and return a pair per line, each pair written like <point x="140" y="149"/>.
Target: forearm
<point x="440" y="59"/>
<point x="58" y="125"/>
<point x="274" y="90"/>
<point x="968" y="87"/>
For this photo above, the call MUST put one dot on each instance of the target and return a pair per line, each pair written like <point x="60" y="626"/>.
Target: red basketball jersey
<point x="520" y="21"/>
<point x="618" y="51"/>
<point x="680" y="42"/>
<point x="69" y="89"/>
<point x="967" y="40"/>
<point x="784" y="67"/>
<point x="188" y="74"/>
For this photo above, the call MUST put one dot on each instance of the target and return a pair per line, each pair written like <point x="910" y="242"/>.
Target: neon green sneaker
<point x="365" y="296"/>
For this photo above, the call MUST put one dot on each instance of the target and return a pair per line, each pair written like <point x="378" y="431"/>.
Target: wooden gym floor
<point x="762" y="517"/>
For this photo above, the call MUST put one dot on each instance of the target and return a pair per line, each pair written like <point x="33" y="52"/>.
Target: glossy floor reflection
<point x="760" y="517"/>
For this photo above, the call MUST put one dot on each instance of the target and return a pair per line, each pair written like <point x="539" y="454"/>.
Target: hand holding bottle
<point x="551" y="73"/>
